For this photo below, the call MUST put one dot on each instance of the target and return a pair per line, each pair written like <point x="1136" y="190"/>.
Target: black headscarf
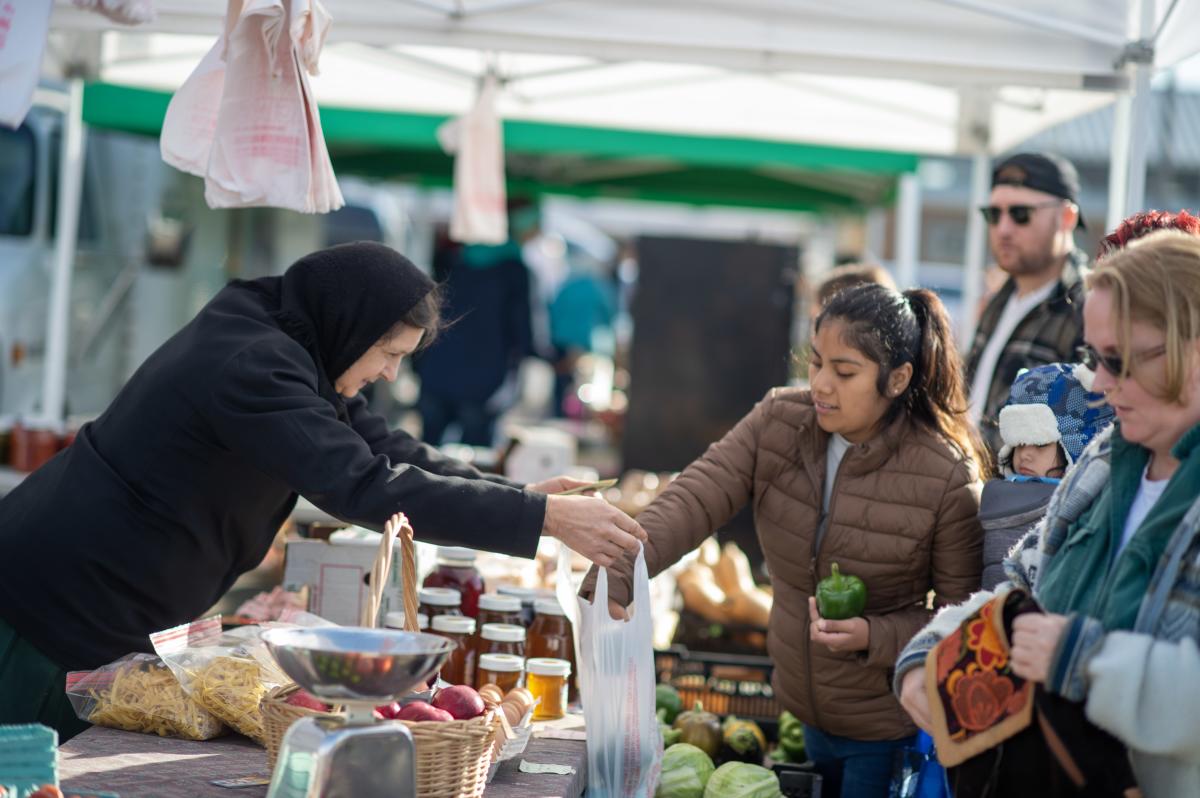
<point x="338" y="302"/>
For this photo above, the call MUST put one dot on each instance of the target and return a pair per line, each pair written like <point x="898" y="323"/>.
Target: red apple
<point x="389" y="711"/>
<point x="303" y="698"/>
<point x="420" y="711"/>
<point x="460" y="701"/>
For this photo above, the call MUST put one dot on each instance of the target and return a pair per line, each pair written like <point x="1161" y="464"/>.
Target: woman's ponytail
<point x="937" y="393"/>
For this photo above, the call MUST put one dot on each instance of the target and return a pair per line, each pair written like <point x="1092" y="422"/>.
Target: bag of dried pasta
<point x="225" y="672"/>
<point x="139" y="693"/>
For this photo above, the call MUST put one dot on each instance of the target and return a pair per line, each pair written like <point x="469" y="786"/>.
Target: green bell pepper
<point x="840" y="597"/>
<point x="667" y="697"/>
<point x="791" y="739"/>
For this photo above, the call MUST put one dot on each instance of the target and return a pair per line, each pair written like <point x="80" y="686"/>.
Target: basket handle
<point x="396" y="526"/>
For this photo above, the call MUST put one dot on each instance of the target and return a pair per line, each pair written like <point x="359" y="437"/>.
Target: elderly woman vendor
<point x="180" y="485"/>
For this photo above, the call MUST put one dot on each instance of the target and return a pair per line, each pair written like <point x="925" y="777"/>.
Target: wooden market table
<point x="146" y="766"/>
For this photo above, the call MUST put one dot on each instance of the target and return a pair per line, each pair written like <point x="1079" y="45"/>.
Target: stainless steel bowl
<point x="342" y="664"/>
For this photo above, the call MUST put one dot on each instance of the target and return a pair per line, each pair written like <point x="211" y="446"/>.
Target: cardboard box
<point x="336" y="574"/>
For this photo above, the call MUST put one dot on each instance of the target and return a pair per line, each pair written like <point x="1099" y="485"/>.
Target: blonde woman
<point x="1116" y="561"/>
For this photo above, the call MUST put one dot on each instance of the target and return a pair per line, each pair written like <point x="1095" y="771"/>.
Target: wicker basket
<point x="278" y="716"/>
<point x="453" y="757"/>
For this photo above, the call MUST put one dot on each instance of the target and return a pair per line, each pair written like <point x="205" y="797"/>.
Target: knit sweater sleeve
<point x="264" y="405"/>
<point x="1130" y="683"/>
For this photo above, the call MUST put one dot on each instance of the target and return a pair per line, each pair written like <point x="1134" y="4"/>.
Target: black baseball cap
<point x="1040" y="171"/>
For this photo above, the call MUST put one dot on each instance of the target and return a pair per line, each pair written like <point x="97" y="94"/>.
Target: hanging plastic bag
<point x="23" y="29"/>
<point x="476" y="139"/>
<point x="246" y="119"/>
<point x="616" y="683"/>
<point x="126" y="12"/>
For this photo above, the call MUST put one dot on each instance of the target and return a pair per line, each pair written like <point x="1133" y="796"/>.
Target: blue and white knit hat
<point x="1052" y="404"/>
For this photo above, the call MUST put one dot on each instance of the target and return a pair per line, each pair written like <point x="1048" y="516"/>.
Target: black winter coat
<point x="182" y="483"/>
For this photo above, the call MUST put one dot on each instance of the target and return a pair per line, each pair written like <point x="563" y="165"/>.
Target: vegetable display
<point x="701" y="729"/>
<point x="685" y="772"/>
<point x="742" y="780"/>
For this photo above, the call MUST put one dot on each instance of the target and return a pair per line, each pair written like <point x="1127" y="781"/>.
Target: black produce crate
<point x="798" y="781"/>
<point x="727" y="684"/>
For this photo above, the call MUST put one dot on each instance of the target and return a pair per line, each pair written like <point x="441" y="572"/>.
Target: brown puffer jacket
<point x="903" y="518"/>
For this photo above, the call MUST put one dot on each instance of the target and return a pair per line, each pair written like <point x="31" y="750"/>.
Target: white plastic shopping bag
<point x="23" y="29"/>
<point x="616" y="682"/>
<point x="476" y="139"/>
<point x="246" y="119"/>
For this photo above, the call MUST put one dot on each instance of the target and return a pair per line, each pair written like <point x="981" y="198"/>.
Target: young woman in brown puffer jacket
<point x="874" y="468"/>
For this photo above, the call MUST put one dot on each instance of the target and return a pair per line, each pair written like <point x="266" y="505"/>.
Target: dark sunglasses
<point x="1020" y="214"/>
<point x="1114" y="364"/>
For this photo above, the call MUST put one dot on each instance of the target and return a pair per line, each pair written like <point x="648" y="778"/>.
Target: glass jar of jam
<point x="395" y="620"/>
<point x="502" y="638"/>
<point x="437" y="601"/>
<point x="547" y="680"/>
<point x="459" y="668"/>
<point x="550" y="636"/>
<point x="502" y="670"/>
<point x="456" y="569"/>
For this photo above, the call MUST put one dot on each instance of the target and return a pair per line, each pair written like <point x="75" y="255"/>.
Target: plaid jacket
<point x="1049" y="334"/>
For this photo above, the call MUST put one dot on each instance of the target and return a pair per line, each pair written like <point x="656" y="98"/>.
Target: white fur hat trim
<point x="1085" y="376"/>
<point x="1022" y="425"/>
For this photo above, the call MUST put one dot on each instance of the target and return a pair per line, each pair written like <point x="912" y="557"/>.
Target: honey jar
<point x="439" y="601"/>
<point x="502" y="670"/>
<point x="459" y="668"/>
<point x="547" y="679"/>
<point x="502" y="638"/>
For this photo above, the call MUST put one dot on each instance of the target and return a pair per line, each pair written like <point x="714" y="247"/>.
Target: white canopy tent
<point x="937" y="77"/>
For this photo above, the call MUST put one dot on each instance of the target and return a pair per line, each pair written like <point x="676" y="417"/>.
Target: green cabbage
<point x="685" y="771"/>
<point x="742" y="780"/>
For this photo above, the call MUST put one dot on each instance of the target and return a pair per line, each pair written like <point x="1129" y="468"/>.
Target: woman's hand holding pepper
<point x="852" y="634"/>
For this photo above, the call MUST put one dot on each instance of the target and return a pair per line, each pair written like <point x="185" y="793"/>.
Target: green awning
<point x="576" y="160"/>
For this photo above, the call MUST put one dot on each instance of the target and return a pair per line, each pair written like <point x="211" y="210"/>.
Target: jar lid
<point x="456" y="555"/>
<point x="395" y="620"/>
<point x="440" y="596"/>
<point x="548" y="606"/>
<point x="501" y="663"/>
<point x="454" y="624"/>
<point x="544" y="666"/>
<point x="497" y="603"/>
<point x="503" y="632"/>
<point x="523" y="593"/>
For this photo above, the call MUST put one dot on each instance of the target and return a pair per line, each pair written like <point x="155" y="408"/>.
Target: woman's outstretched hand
<point x="592" y="527"/>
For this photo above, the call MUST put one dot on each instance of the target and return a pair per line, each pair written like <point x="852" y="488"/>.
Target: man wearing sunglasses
<point x="1036" y="317"/>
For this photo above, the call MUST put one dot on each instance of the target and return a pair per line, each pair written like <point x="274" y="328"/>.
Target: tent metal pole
<point x="973" y="261"/>
<point x="908" y="230"/>
<point x="1118" y="160"/>
<point x="1032" y="20"/>
<point x="58" y="321"/>
<point x="1131" y="126"/>
<point x="1139" y="132"/>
